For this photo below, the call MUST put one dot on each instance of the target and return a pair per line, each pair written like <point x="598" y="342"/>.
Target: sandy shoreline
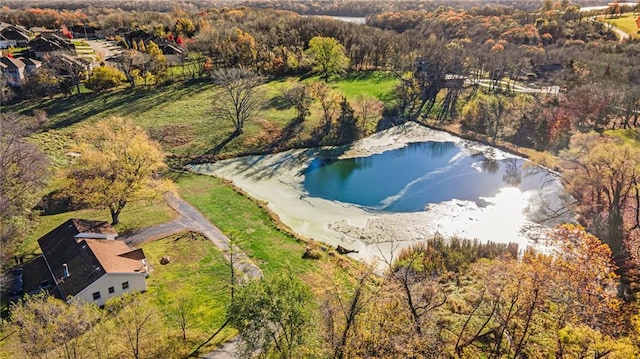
<point x="277" y="179"/>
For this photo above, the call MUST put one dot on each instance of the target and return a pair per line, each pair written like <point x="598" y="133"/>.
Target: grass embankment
<point x="179" y="115"/>
<point x="248" y="224"/>
<point x="626" y="22"/>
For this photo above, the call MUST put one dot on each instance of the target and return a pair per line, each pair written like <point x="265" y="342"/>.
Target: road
<point x="106" y="49"/>
<point x="623" y="35"/>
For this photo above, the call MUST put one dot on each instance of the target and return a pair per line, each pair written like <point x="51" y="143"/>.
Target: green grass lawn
<point x="372" y="84"/>
<point x="626" y="23"/>
<point x="251" y="226"/>
<point x="197" y="273"/>
<point x="630" y="135"/>
<point x="182" y="111"/>
<point x="135" y="215"/>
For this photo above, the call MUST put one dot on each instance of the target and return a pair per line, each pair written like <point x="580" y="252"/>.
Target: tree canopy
<point x="117" y="163"/>
<point x="105" y="77"/>
<point x="23" y="174"/>
<point x="328" y="56"/>
<point x="273" y="314"/>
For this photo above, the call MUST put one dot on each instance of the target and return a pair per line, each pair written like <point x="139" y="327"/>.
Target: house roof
<point x="52" y="43"/>
<point x="30" y="62"/>
<point x="89" y="250"/>
<point x="14" y="32"/>
<point x="34" y="274"/>
<point x="116" y="256"/>
<point x="12" y="63"/>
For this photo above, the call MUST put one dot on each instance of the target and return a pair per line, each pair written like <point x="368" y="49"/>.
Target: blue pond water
<point x="409" y="178"/>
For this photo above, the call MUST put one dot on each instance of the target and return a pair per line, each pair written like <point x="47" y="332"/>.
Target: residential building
<point x="83" y="261"/>
<point x="13" y="35"/>
<point x="42" y="46"/>
<point x="16" y="70"/>
<point x="13" y="70"/>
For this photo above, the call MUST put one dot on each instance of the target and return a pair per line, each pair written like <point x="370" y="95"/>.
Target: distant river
<point x="355" y="20"/>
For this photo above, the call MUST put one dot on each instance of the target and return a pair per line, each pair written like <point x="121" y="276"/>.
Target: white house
<point x="15" y="70"/>
<point x="81" y="260"/>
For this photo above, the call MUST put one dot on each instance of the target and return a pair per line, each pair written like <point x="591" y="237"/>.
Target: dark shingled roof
<point x="36" y="272"/>
<point x="61" y="247"/>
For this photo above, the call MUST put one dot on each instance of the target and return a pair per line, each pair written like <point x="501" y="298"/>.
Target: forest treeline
<point x="357" y="8"/>
<point x="444" y="298"/>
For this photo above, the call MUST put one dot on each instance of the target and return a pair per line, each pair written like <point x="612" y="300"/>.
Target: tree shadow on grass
<point x="290" y="131"/>
<point x="216" y="150"/>
<point x="279" y="103"/>
<point x="127" y="102"/>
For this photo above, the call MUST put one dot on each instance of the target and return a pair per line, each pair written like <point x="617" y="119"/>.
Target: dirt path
<point x="192" y="220"/>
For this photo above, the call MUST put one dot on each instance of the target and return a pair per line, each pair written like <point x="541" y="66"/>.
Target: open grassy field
<point x="626" y="23"/>
<point x="249" y="225"/>
<point x="179" y="114"/>
<point x="197" y="273"/>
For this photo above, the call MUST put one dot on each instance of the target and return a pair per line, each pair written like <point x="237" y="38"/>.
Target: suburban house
<point x="84" y="31"/>
<point x="13" y="35"/>
<point x="68" y="64"/>
<point x="16" y="70"/>
<point x="82" y="260"/>
<point x="168" y="48"/>
<point x="41" y="46"/>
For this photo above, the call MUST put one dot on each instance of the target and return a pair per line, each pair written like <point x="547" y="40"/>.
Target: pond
<point x="399" y="187"/>
<point x="408" y="179"/>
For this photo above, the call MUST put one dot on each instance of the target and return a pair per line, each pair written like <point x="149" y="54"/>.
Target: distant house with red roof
<point x="82" y="260"/>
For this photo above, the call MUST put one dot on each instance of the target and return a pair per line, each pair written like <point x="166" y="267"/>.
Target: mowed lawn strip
<point x="251" y="226"/>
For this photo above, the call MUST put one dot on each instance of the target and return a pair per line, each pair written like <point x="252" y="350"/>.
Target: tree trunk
<point x="115" y="214"/>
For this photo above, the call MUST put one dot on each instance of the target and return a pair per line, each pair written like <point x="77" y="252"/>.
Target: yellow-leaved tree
<point x="117" y="164"/>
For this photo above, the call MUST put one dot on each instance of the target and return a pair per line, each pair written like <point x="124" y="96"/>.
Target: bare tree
<point x="181" y="312"/>
<point x="299" y="96"/>
<point x="23" y="173"/>
<point x="237" y="97"/>
<point x="137" y="321"/>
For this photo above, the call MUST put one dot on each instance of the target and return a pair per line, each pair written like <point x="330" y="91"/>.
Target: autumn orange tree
<point x="117" y="163"/>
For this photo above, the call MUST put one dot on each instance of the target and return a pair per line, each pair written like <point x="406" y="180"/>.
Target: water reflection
<point x="408" y="179"/>
<point x="512" y="172"/>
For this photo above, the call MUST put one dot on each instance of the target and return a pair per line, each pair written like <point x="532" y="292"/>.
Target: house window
<point x="111" y="290"/>
<point x="125" y="285"/>
<point x="96" y="295"/>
